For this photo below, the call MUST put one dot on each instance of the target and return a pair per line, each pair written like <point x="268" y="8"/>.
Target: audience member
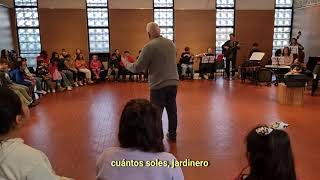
<point x="131" y="59"/>
<point x="67" y="75"/>
<point x="269" y="154"/>
<point x="43" y="56"/>
<point x="20" y="90"/>
<point x="42" y="71"/>
<point x="96" y="66"/>
<point x="113" y="67"/>
<point x="55" y="74"/>
<point x="82" y="66"/>
<point x="56" y="67"/>
<point x="33" y="78"/>
<point x="70" y="65"/>
<point x="18" y="76"/>
<point x="140" y="136"/>
<point x="18" y="160"/>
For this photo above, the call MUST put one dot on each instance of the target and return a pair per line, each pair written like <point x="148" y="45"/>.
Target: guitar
<point x="231" y="50"/>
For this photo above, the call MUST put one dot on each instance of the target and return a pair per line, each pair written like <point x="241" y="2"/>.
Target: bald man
<point x="158" y="57"/>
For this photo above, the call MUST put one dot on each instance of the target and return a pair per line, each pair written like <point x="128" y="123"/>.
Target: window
<point x="224" y="21"/>
<point x="28" y="29"/>
<point x="163" y="11"/>
<point x="282" y="23"/>
<point x="98" y="26"/>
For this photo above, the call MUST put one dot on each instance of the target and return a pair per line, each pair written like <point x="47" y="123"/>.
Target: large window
<point x="98" y="26"/>
<point x="28" y="29"/>
<point x="282" y="23"/>
<point x="163" y="11"/>
<point x="224" y="21"/>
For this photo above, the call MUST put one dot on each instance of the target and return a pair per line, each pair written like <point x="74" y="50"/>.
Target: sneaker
<point x="49" y="91"/>
<point x="40" y="92"/>
<point x="206" y="77"/>
<point x="69" y="88"/>
<point x="53" y="91"/>
<point x="80" y="83"/>
<point x="44" y="92"/>
<point x="76" y="84"/>
<point x="61" y="89"/>
<point x="34" y="103"/>
<point x="90" y="82"/>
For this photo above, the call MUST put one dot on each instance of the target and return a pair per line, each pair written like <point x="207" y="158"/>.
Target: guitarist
<point x="229" y="50"/>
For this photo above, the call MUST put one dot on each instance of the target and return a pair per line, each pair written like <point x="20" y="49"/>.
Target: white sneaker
<point x="40" y="92"/>
<point x="76" y="84"/>
<point x="80" y="83"/>
<point x="49" y="91"/>
<point x="206" y="77"/>
<point x="44" y="92"/>
<point x="69" y="88"/>
<point x="53" y="91"/>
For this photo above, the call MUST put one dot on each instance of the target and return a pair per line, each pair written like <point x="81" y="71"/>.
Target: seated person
<point x="70" y="65"/>
<point x="141" y="138"/>
<point x="269" y="154"/>
<point x="287" y="56"/>
<point x="113" y="67"/>
<point x="43" y="72"/>
<point x="131" y="59"/>
<point x="55" y="74"/>
<point x="20" y="90"/>
<point x="67" y="75"/>
<point x="206" y="66"/>
<point x="44" y="56"/>
<point x="32" y="77"/>
<point x="18" y="76"/>
<point x="295" y="69"/>
<point x="56" y="67"/>
<point x="96" y="66"/>
<point x="18" y="160"/>
<point x="186" y="62"/>
<point x="82" y="66"/>
<point x="254" y="49"/>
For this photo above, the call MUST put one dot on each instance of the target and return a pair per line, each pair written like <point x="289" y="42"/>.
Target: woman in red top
<point x="43" y="56"/>
<point x="95" y="66"/>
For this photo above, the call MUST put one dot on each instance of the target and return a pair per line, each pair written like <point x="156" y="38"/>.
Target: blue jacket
<point x="18" y="76"/>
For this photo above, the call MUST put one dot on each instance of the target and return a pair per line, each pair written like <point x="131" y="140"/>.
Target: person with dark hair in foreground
<point x="18" y="160"/>
<point x="159" y="57"/>
<point x="269" y="154"/>
<point x="140" y="136"/>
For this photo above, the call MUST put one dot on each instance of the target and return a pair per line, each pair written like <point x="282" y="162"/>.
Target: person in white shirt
<point x="287" y="56"/>
<point x="19" y="161"/>
<point x="141" y="145"/>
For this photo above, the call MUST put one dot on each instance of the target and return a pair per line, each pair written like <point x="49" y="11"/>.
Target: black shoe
<point x="172" y="137"/>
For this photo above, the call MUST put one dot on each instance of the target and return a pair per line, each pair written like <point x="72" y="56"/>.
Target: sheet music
<point x="278" y="61"/>
<point x="208" y="59"/>
<point x="257" y="56"/>
<point x="294" y="49"/>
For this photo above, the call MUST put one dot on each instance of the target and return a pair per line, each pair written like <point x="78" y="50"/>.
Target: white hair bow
<point x="266" y="130"/>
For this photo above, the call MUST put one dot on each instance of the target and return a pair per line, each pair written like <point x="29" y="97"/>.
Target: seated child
<point x="18" y="160"/>
<point x="33" y="78"/>
<point x="82" y="66"/>
<point x="55" y="74"/>
<point x="18" y="76"/>
<point x="295" y="69"/>
<point x="70" y="65"/>
<point x="269" y="154"/>
<point x="141" y="138"/>
<point x="113" y="67"/>
<point x="95" y="66"/>
<point x="131" y="59"/>
<point x="43" y="72"/>
<point x="20" y="90"/>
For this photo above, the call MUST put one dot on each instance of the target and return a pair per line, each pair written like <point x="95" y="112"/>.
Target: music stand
<point x="257" y="56"/>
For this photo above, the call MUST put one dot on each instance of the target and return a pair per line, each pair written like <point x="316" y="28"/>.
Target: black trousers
<point x="228" y="60"/>
<point x="166" y="98"/>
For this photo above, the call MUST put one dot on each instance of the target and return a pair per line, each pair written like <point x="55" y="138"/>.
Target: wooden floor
<point x="73" y="128"/>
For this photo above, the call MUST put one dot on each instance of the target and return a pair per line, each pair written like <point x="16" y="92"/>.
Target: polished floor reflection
<point x="73" y="128"/>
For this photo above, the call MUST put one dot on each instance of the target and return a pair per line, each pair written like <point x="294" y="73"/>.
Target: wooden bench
<point x="290" y="95"/>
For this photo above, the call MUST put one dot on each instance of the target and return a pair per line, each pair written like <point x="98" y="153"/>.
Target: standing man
<point x="229" y="50"/>
<point x="158" y="57"/>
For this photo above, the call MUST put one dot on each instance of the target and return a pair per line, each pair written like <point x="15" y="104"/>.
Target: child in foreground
<point x="269" y="154"/>
<point x="19" y="161"/>
<point x="140" y="136"/>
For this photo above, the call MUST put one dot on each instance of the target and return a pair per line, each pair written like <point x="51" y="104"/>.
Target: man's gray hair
<point x="153" y="29"/>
